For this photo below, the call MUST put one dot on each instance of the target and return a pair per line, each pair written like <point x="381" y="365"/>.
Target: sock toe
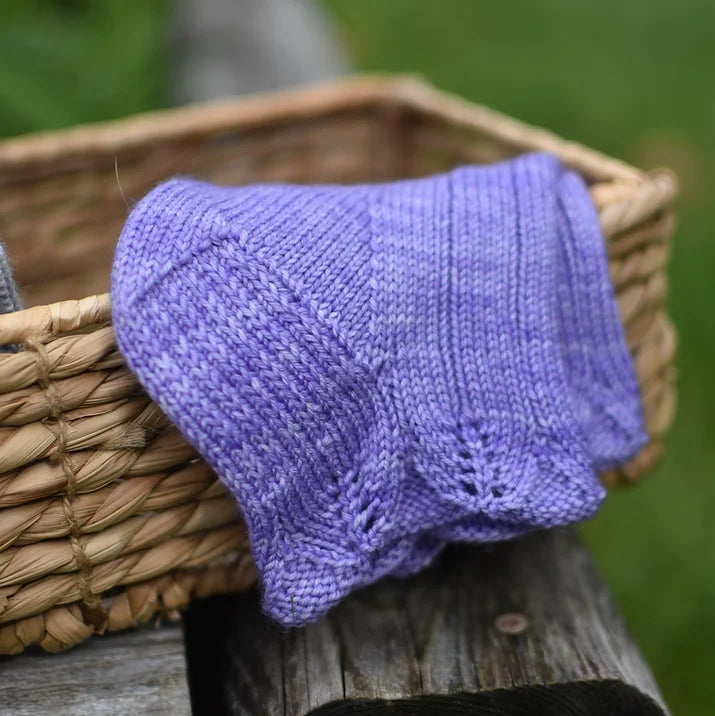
<point x="599" y="366"/>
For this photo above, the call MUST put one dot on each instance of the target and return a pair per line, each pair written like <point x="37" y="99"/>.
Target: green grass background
<point x="633" y="79"/>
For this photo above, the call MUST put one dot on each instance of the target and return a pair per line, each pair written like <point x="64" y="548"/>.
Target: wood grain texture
<point x="525" y="627"/>
<point x="142" y="671"/>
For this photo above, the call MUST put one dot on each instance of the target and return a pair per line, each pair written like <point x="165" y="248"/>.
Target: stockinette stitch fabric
<point x="376" y="370"/>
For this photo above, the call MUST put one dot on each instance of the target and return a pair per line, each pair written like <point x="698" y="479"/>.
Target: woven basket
<point x="107" y="516"/>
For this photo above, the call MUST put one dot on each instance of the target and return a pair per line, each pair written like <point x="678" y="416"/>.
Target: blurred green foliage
<point x="69" y="61"/>
<point x="631" y="79"/>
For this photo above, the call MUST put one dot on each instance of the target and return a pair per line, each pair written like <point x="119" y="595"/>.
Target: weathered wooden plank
<point x="142" y="671"/>
<point x="524" y="627"/>
<point x="312" y="672"/>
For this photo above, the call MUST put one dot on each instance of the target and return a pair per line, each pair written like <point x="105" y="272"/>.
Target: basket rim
<point x="408" y="92"/>
<point x="53" y="318"/>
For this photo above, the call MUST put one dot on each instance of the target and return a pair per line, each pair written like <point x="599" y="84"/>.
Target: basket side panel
<point x="60" y="222"/>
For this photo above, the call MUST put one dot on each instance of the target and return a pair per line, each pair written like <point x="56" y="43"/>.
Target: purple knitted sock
<point x="370" y="370"/>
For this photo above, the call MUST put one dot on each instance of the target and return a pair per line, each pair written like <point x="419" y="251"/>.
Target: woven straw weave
<point x="107" y="516"/>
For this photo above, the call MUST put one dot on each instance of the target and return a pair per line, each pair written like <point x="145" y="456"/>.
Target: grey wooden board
<point x="430" y="644"/>
<point x="142" y="671"/>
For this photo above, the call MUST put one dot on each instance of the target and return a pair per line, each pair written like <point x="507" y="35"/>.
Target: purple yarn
<point x="376" y="370"/>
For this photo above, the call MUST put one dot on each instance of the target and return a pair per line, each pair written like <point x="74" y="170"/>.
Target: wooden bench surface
<point x="525" y="627"/>
<point x="142" y="671"/>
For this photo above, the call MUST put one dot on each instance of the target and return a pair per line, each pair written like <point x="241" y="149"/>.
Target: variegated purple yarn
<point x="376" y="370"/>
